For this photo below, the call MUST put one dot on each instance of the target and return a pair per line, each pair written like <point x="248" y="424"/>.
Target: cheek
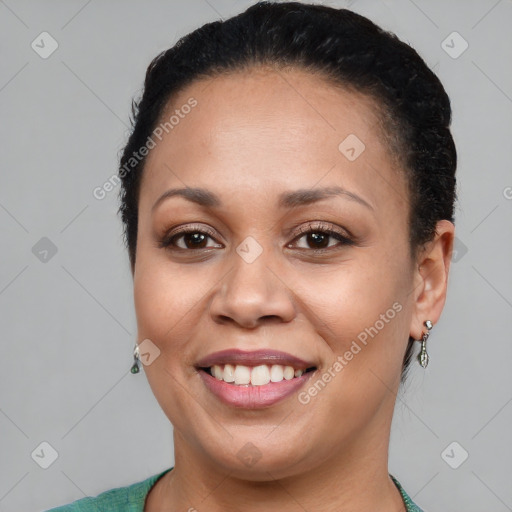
<point x="360" y="309"/>
<point x="363" y="320"/>
<point x="171" y="305"/>
<point x="164" y="301"/>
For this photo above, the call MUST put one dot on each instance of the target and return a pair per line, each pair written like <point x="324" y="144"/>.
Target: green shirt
<point x="133" y="497"/>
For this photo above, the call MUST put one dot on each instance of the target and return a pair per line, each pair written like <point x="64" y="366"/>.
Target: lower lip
<point x="253" y="397"/>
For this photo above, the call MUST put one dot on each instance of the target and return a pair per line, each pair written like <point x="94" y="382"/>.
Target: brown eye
<point x="192" y="240"/>
<point x="319" y="238"/>
<point x="188" y="239"/>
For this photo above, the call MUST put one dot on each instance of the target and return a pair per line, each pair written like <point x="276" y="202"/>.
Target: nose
<point x="252" y="294"/>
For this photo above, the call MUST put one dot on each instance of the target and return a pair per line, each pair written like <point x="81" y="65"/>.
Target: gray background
<point x="68" y="323"/>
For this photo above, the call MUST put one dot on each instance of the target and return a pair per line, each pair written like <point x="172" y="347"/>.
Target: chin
<point x="261" y="460"/>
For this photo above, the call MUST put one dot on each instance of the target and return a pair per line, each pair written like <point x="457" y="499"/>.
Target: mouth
<point x="242" y="375"/>
<point x="253" y="379"/>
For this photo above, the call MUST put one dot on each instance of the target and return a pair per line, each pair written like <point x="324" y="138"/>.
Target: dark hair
<point x="345" y="48"/>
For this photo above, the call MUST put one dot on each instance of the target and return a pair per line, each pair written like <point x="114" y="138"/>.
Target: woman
<point x="287" y="197"/>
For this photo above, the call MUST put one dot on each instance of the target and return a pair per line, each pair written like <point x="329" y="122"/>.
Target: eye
<point x="317" y="237"/>
<point x="188" y="238"/>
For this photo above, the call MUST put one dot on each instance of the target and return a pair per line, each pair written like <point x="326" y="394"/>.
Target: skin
<point x="252" y="136"/>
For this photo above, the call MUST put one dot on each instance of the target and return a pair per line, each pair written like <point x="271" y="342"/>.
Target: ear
<point x="431" y="278"/>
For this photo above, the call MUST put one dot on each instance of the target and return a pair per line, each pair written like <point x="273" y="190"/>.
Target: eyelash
<point x="169" y="240"/>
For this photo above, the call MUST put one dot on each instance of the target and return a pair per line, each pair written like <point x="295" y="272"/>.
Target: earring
<point x="135" y="367"/>
<point x="423" y="357"/>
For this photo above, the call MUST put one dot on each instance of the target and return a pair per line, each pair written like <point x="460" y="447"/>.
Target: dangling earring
<point x="135" y="367"/>
<point x="423" y="357"/>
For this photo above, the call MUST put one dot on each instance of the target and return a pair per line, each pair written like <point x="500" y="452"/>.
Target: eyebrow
<point x="290" y="199"/>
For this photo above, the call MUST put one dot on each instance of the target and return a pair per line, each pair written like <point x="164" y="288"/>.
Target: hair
<point x="346" y="49"/>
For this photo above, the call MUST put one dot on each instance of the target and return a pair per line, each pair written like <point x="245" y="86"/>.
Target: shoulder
<point x="128" y="499"/>
<point x="409" y="504"/>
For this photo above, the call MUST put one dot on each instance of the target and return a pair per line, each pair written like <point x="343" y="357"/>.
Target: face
<point x="294" y="253"/>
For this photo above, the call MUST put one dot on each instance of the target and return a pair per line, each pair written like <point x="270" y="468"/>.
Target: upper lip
<point x="253" y="358"/>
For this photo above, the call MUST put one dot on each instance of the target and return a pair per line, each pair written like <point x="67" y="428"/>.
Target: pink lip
<point x="253" y="397"/>
<point x="253" y="358"/>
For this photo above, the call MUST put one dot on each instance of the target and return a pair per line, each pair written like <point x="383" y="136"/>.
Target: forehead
<point x="270" y="129"/>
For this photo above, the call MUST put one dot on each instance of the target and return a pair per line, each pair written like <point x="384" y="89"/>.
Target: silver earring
<point x="423" y="357"/>
<point x="135" y="367"/>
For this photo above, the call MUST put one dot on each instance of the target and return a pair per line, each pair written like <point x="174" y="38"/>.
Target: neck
<point x="354" y="478"/>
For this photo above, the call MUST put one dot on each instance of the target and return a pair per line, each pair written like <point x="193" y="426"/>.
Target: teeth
<point x="260" y="375"/>
<point x="289" y="372"/>
<point x="276" y="373"/>
<point x="255" y="375"/>
<point x="242" y="374"/>
<point x="229" y="373"/>
<point x="217" y="372"/>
